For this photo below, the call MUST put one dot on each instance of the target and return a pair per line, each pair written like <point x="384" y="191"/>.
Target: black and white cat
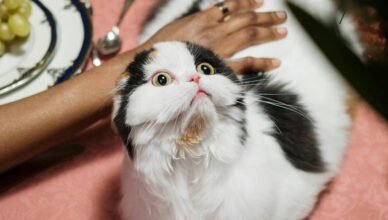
<point x="202" y="144"/>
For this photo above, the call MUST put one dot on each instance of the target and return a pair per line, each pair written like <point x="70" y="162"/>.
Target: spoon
<point x="111" y="43"/>
<point x="95" y="59"/>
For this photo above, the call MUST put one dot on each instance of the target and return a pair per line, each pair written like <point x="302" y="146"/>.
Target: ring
<point x="222" y="7"/>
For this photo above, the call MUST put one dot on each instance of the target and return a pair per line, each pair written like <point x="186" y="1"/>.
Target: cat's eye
<point x="161" y="79"/>
<point x="205" y="68"/>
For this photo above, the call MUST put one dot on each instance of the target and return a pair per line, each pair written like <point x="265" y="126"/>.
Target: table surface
<point x="87" y="186"/>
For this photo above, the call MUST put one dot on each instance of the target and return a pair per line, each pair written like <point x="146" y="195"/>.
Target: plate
<point x="61" y="26"/>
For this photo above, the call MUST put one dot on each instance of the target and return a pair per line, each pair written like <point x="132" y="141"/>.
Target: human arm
<point x="28" y="128"/>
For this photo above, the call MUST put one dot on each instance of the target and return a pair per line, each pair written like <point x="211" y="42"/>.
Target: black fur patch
<point x="294" y="129"/>
<point x="240" y="103"/>
<point x="137" y="78"/>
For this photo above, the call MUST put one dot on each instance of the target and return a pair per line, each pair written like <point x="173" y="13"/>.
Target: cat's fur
<point x="258" y="147"/>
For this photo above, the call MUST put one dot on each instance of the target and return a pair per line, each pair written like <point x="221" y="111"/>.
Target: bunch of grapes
<point x="13" y="21"/>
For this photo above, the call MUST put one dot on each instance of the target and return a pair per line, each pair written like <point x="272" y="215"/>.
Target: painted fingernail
<point x="275" y="62"/>
<point x="281" y="14"/>
<point x="281" y="30"/>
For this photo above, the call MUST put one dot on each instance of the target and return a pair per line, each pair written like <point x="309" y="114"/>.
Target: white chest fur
<point x="253" y="181"/>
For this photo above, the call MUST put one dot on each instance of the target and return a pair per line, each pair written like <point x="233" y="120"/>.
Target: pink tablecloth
<point x="87" y="186"/>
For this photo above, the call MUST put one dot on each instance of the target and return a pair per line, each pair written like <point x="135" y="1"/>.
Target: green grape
<point x="3" y="12"/>
<point x="13" y="21"/>
<point x="19" y="25"/>
<point x="12" y="4"/>
<point x="2" y="48"/>
<point x="25" y="9"/>
<point x="5" y="32"/>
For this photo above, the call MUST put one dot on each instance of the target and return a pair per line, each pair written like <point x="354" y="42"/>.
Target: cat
<point x="203" y="144"/>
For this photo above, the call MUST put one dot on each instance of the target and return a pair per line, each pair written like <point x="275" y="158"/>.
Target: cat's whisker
<point x="276" y="126"/>
<point x="176" y="120"/>
<point x="285" y="106"/>
<point x="275" y="94"/>
<point x="282" y="103"/>
<point x="258" y="82"/>
<point x="281" y="106"/>
<point x="254" y="80"/>
<point x="250" y="84"/>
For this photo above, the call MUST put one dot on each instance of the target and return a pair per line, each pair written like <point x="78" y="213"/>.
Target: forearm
<point x="33" y="124"/>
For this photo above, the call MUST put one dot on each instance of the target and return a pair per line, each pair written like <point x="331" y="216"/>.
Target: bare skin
<point x="27" y="128"/>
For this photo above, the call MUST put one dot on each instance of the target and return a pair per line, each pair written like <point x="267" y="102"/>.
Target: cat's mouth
<point x="200" y="95"/>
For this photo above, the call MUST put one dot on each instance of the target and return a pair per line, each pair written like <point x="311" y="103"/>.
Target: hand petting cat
<point x="228" y="33"/>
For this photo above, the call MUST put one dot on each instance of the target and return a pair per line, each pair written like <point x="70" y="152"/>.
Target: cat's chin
<point x="201" y="94"/>
<point x="201" y="106"/>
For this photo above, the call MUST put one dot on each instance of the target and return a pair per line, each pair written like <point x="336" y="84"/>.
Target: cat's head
<point x="177" y="91"/>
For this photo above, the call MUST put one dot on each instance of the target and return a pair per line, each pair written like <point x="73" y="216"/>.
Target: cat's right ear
<point x="133" y="74"/>
<point x="122" y="76"/>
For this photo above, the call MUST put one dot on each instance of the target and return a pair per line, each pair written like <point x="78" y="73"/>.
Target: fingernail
<point x="281" y="14"/>
<point x="281" y="30"/>
<point x="259" y="1"/>
<point x="275" y="62"/>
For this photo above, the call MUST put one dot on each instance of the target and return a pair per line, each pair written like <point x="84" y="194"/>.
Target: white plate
<point x="72" y="32"/>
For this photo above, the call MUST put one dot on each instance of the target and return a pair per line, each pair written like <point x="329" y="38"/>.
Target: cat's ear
<point x="121" y="82"/>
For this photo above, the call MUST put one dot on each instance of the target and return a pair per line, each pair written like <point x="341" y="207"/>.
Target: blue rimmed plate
<point x="57" y="49"/>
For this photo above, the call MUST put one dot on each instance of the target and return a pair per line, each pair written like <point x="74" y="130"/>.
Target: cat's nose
<point x="195" y="78"/>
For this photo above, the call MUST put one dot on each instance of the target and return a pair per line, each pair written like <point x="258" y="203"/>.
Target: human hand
<point x="229" y="33"/>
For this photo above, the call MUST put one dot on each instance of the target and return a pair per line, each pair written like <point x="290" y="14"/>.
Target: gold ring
<point x="222" y="7"/>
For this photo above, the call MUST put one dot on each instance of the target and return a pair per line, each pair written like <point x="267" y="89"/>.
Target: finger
<point x="248" y="65"/>
<point x="215" y="13"/>
<point x="244" y="19"/>
<point x="248" y="37"/>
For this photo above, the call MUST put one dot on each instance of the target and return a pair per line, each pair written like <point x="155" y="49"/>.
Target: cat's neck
<point x="160" y="150"/>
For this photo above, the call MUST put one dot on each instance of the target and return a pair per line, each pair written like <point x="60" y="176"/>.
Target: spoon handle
<point x="127" y="3"/>
<point x="95" y="59"/>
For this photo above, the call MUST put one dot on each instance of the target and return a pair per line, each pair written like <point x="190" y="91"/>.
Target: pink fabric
<point x="87" y="186"/>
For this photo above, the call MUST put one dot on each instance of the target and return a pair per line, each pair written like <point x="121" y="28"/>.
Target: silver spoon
<point x="95" y="59"/>
<point x="111" y="43"/>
